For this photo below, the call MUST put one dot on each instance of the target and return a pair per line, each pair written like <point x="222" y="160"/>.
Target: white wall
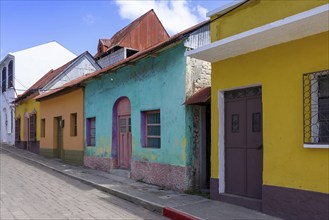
<point x="7" y="129"/>
<point x="29" y="66"/>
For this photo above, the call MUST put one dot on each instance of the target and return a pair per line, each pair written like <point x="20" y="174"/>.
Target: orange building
<point x="62" y="126"/>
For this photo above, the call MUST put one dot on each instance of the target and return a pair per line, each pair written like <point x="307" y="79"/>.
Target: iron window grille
<point x="242" y="93"/>
<point x="316" y="107"/>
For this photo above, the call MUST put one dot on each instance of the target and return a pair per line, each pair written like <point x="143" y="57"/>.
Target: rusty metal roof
<point x="132" y="59"/>
<point x="144" y="32"/>
<point x="201" y="97"/>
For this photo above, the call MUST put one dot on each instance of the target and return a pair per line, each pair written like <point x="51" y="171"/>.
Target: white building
<point x="19" y="71"/>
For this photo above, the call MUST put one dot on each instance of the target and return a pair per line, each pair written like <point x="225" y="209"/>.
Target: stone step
<point x="121" y="172"/>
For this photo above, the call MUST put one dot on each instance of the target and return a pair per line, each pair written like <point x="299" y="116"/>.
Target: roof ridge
<point x="122" y="33"/>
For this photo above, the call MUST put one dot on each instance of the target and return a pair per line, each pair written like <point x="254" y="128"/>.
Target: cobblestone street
<point x="31" y="192"/>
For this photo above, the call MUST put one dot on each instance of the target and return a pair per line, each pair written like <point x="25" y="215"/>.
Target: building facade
<point x="135" y="117"/>
<point x="61" y="126"/>
<point x="143" y="125"/>
<point x="270" y="106"/>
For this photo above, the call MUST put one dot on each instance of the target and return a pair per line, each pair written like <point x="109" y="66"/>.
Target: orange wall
<point x="63" y="106"/>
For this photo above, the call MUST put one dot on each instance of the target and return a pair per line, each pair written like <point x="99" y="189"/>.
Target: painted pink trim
<point x="175" y="214"/>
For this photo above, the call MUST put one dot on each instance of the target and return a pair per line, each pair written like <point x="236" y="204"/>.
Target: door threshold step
<point x="121" y="172"/>
<point x="247" y="202"/>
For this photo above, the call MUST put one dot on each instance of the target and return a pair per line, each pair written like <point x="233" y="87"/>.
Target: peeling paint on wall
<point x="153" y="83"/>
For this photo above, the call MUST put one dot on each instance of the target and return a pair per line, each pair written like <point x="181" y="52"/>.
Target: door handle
<point x="260" y="147"/>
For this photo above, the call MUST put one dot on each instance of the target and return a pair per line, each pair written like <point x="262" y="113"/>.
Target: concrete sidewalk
<point x="171" y="204"/>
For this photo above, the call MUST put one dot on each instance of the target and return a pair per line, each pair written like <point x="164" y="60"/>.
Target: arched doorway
<point x="122" y="123"/>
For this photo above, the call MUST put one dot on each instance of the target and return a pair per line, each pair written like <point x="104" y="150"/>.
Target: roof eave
<point x="225" y="8"/>
<point x="295" y="27"/>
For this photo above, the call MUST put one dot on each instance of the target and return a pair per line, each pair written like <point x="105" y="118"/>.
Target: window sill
<point x="317" y="146"/>
<point x="151" y="147"/>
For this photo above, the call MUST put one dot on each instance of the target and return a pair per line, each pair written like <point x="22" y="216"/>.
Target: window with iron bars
<point x="316" y="108"/>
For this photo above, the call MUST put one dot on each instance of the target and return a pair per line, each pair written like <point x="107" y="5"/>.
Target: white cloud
<point x="174" y="15"/>
<point x="89" y="19"/>
<point x="202" y="11"/>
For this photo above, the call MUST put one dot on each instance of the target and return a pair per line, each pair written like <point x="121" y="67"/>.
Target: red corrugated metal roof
<point x="176" y="38"/>
<point x="200" y="97"/>
<point x="143" y="32"/>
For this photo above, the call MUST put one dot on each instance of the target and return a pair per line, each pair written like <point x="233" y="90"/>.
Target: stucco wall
<point x="32" y="63"/>
<point x="279" y="69"/>
<point x="257" y="13"/>
<point x="7" y="109"/>
<point x="153" y="83"/>
<point x="63" y="106"/>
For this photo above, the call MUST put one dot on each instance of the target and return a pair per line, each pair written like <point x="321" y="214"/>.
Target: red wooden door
<point x="243" y="142"/>
<point x="124" y="141"/>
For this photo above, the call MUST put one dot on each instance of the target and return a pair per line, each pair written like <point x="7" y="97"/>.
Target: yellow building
<point x="26" y="123"/>
<point x="62" y="133"/>
<point x="270" y="106"/>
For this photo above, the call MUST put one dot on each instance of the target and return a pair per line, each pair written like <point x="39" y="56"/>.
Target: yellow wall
<point x="257" y="13"/>
<point x="279" y="69"/>
<point x="28" y="106"/>
<point x="63" y="106"/>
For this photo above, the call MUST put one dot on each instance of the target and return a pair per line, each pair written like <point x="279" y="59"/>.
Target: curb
<point x="154" y="207"/>
<point x="175" y="214"/>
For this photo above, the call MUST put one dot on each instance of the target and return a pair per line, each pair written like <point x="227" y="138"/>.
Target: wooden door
<point x="243" y="142"/>
<point x="124" y="141"/>
<point x="59" y="136"/>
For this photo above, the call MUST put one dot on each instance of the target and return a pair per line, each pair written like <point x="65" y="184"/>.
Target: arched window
<point x="10" y="74"/>
<point x="4" y="79"/>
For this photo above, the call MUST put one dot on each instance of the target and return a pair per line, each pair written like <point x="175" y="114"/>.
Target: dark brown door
<point x="59" y="139"/>
<point x="124" y="141"/>
<point x="243" y="142"/>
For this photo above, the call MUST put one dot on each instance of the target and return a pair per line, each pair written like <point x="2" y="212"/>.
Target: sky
<point x="77" y="25"/>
